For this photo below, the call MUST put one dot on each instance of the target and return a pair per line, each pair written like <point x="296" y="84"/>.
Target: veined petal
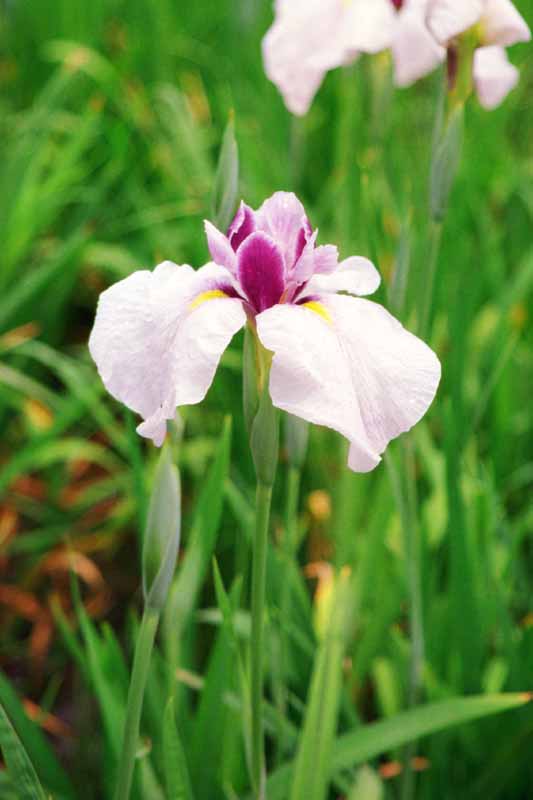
<point x="283" y="218"/>
<point x="326" y="258"/>
<point x="356" y="275"/>
<point x="348" y="364"/>
<point x="243" y="225"/>
<point x="503" y="25"/>
<point x="305" y="265"/>
<point x="306" y="40"/>
<point x="220" y="247"/>
<point x="158" y="337"/>
<point x="494" y="76"/>
<point x="415" y="51"/>
<point x="449" y="18"/>
<point x="261" y="270"/>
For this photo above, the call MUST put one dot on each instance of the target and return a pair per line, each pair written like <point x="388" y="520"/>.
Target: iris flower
<point x="310" y="37"/>
<point x="496" y="24"/>
<point x="337" y="360"/>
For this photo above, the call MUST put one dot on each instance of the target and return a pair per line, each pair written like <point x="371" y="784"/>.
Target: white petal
<point x="219" y="247"/>
<point x="305" y="41"/>
<point x="494" y="76"/>
<point x="414" y="49"/>
<point x="503" y="25"/>
<point x="156" y="345"/>
<point x="356" y="275"/>
<point x="369" y="26"/>
<point x="360" y="373"/>
<point x="449" y="18"/>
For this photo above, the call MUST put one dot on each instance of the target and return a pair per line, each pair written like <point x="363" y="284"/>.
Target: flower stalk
<point x="161" y="543"/>
<point x="263" y="422"/>
<point x="141" y="665"/>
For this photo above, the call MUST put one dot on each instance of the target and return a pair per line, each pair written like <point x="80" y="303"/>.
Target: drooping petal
<point x="348" y="364"/>
<point x="261" y="270"/>
<point x="242" y="226"/>
<point x="220" y="247"/>
<point x="283" y="218"/>
<point x="355" y="275"/>
<point x="415" y="51"/>
<point x="494" y="76"/>
<point x="503" y="25"/>
<point x="449" y="18"/>
<point x="305" y="41"/>
<point x="158" y="337"/>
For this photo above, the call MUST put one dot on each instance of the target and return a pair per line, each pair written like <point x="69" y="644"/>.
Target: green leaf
<point x="226" y="187"/>
<point x="177" y="780"/>
<point x="372" y="740"/>
<point x="36" y="745"/>
<point x="198" y="552"/>
<point x="162" y="538"/>
<point x="19" y="765"/>
<point x="312" y="769"/>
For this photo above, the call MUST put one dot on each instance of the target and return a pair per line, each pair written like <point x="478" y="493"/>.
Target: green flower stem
<point x="262" y="517"/>
<point x="141" y="664"/>
<point x="289" y="545"/>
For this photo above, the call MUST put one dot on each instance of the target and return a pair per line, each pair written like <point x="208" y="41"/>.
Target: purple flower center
<point x="397" y="4"/>
<point x="261" y="271"/>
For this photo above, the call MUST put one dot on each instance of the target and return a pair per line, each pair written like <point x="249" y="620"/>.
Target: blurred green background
<point x="111" y="120"/>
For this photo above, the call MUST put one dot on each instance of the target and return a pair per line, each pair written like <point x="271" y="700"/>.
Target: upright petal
<point x="243" y="225"/>
<point x="494" y="76"/>
<point x="503" y="25"/>
<point x="415" y="51"/>
<point x="261" y="270"/>
<point x="305" y="41"/>
<point x="158" y="337"/>
<point x="355" y="275"/>
<point x="449" y="18"/>
<point x="348" y="364"/>
<point x="283" y="218"/>
<point x="220" y="247"/>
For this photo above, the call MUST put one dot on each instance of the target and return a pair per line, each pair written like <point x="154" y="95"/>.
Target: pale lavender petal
<point x="448" y="18"/>
<point x="356" y="275"/>
<point x="158" y="337"/>
<point x="305" y="264"/>
<point x="503" y="25"/>
<point x="326" y="258"/>
<point x="305" y="41"/>
<point x="415" y="51"/>
<point x="220" y="247"/>
<point x="283" y="218"/>
<point x="347" y="364"/>
<point x="494" y="76"/>
<point x="242" y="226"/>
<point x="261" y="270"/>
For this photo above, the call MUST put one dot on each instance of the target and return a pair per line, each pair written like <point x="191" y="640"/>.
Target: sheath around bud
<point x="162" y="536"/>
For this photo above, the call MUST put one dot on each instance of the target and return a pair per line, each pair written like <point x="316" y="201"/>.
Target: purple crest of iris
<point x="338" y="360"/>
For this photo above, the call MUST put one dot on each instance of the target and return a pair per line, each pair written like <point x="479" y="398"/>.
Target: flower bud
<point x="296" y="438"/>
<point x="162" y="535"/>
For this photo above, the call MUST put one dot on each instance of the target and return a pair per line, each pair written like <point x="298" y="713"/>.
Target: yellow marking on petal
<point x="321" y="310"/>
<point x="212" y="294"/>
